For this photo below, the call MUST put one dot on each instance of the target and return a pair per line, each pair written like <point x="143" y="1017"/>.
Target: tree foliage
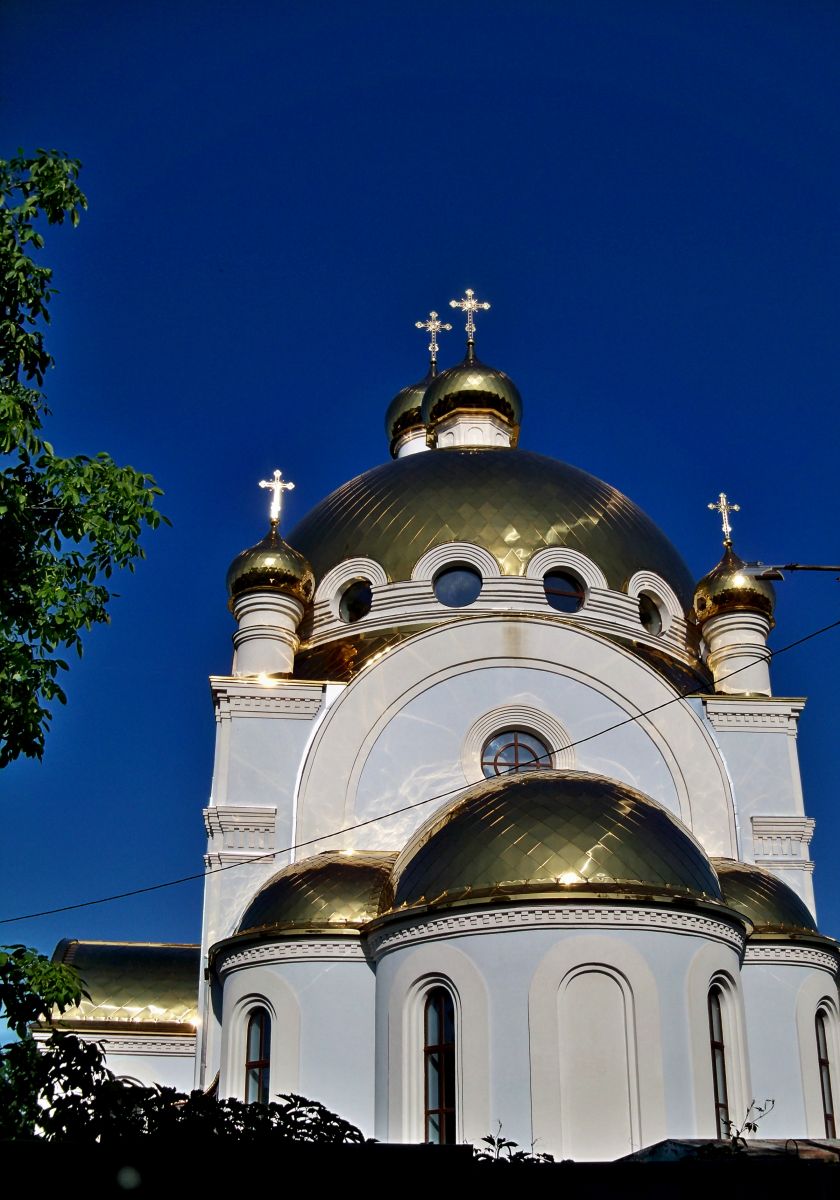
<point x="61" y="1090"/>
<point x="65" y="523"/>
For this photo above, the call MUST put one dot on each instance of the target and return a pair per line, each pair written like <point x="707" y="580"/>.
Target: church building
<point x="506" y="823"/>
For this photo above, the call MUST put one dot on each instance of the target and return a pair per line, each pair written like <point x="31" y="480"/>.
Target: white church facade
<point x="506" y="823"/>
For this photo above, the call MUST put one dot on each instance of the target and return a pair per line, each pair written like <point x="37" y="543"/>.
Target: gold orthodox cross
<point x="433" y="327"/>
<point x="725" y="508"/>
<point x="278" y="486"/>
<point x="470" y="306"/>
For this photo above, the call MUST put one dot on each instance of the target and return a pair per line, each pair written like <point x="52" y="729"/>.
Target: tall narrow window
<point x="439" y="1067"/>
<point x="258" y="1057"/>
<point x="718" y="1063"/>
<point x="825" y="1075"/>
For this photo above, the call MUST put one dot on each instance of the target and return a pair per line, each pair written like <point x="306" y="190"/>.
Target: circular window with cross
<point x="514" y="750"/>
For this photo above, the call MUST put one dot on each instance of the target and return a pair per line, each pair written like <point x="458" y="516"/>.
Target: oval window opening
<point x="563" y="592"/>
<point x="650" y="614"/>
<point x="457" y="587"/>
<point x="355" y="602"/>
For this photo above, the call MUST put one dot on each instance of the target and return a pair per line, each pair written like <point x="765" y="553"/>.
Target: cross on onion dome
<point x="725" y="508"/>
<point x="433" y="327"/>
<point x="278" y="486"/>
<point x="470" y="306"/>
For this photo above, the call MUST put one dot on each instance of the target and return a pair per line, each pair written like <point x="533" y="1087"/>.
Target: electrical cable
<point x="156" y="887"/>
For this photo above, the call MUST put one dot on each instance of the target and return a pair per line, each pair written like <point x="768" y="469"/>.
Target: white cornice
<point x="753" y="714"/>
<point x="796" y="955"/>
<point x="294" y="950"/>
<point x="251" y="696"/>
<point x="504" y="920"/>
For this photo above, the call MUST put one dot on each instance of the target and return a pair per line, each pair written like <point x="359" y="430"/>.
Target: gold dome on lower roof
<point x="769" y="903"/>
<point x="510" y="502"/>
<point x="335" y="892"/>
<point x="561" y="834"/>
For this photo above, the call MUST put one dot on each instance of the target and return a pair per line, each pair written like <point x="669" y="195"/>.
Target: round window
<point x="457" y="586"/>
<point x="563" y="592"/>
<point x="650" y="613"/>
<point x="355" y="601"/>
<point x="514" y="750"/>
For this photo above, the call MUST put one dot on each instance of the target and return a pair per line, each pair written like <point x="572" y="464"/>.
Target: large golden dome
<point x="334" y="893"/>
<point x="511" y="502"/>
<point x="561" y="834"/>
<point x="768" y="902"/>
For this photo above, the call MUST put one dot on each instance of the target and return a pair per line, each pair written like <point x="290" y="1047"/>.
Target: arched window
<point x="257" y="1057"/>
<point x="718" y="1061"/>
<point x="825" y="1073"/>
<point x="439" y="1067"/>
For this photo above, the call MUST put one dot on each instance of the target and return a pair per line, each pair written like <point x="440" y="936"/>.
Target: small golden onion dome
<point x="332" y="893"/>
<point x="553" y="834"/>
<point x="771" y="905"/>
<point x="404" y="413"/>
<point x="473" y="387"/>
<point x="270" y="566"/>
<point x="727" y="589"/>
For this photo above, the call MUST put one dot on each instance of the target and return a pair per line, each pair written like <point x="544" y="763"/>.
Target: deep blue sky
<point x="647" y="193"/>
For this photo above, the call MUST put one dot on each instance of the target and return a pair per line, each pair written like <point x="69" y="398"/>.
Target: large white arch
<point x="348" y="777"/>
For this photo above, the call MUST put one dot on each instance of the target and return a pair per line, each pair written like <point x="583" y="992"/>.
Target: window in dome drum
<point x="439" y="1067"/>
<point x="258" y="1057"/>
<point x="456" y="587"/>
<point x="650" y="613"/>
<point x="355" y="602"/>
<point x="563" y="592"/>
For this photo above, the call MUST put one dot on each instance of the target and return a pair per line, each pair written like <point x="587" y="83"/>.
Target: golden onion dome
<point x="332" y="893"/>
<point x="510" y="502"/>
<point x="771" y="905"/>
<point x="404" y="412"/>
<point x="272" y="565"/>
<point x="473" y="386"/>
<point x="552" y="834"/>
<point x="727" y="589"/>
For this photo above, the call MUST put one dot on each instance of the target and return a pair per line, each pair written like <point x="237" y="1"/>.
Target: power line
<point x="156" y="887"/>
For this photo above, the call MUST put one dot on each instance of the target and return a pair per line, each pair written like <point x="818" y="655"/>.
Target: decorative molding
<point x="216" y="859"/>
<point x="516" y="716"/>
<point x="264" y="696"/>
<point x="649" y="581"/>
<point x="314" y="950"/>
<point x="781" y="864"/>
<point x="237" y="833"/>
<point x="560" y="558"/>
<point x="176" y="1045"/>
<point x="347" y="572"/>
<point x="750" y="714"/>
<point x="783" y="838"/>
<point x="503" y="920"/>
<point x="796" y="955"/>
<point x="455" y="554"/>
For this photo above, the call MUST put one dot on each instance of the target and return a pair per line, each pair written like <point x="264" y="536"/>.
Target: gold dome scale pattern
<point x="511" y="502"/>
<point x="334" y="892"/>
<point x="561" y="833"/>
<point x="757" y="894"/>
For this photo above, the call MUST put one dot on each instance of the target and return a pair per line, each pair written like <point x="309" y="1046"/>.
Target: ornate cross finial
<point x="470" y="306"/>
<point x="278" y="486"/>
<point x="725" y="508"/>
<point x="433" y="327"/>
